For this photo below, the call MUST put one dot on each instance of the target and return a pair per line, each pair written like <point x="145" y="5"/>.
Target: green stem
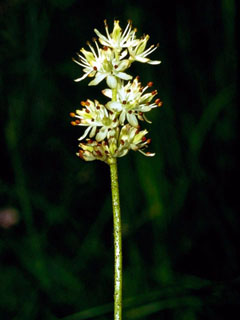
<point x="117" y="241"/>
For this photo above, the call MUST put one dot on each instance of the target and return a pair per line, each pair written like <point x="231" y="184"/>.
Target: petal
<point x="107" y="93"/>
<point x="123" y="65"/>
<point x="115" y="106"/>
<point x="132" y="119"/>
<point x="154" y="63"/>
<point x="123" y="75"/>
<point x="101" y="135"/>
<point x="98" y="78"/>
<point x="93" y="132"/>
<point x="112" y="82"/>
<point x="102" y="38"/>
<point x="122" y="117"/>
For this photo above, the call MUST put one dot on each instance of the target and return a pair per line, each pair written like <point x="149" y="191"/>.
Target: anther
<point x="154" y="92"/>
<point x="72" y="114"/>
<point x="83" y="103"/>
<point x="130" y="111"/>
<point x="98" y="107"/>
<point x="87" y="103"/>
<point x="73" y="123"/>
<point x="80" y="153"/>
<point x="149" y="141"/>
<point x="116" y="66"/>
<point x="122" y="142"/>
<point x="87" y="111"/>
<point x="159" y="102"/>
<point x="95" y="68"/>
<point x="124" y="102"/>
<point x="77" y="121"/>
<point x="144" y="139"/>
<point x="150" y="84"/>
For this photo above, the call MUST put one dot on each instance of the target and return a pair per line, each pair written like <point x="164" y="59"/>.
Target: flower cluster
<point x="113" y="129"/>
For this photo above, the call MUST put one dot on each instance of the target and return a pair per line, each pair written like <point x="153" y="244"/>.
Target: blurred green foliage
<point x="179" y="209"/>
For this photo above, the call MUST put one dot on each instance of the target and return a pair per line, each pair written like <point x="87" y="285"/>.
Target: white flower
<point x="139" y="53"/>
<point x="118" y="40"/>
<point x="132" y="101"/>
<point x="116" y="146"/>
<point x="98" y="120"/>
<point x="102" y="64"/>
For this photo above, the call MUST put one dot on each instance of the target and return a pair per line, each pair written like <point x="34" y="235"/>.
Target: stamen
<point x="159" y="102"/>
<point x="80" y="154"/>
<point x="99" y="153"/>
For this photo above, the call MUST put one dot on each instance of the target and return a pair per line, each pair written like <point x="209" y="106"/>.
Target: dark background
<point x="179" y="209"/>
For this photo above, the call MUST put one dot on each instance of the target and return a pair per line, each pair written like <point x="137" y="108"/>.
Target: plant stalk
<point x="117" y="241"/>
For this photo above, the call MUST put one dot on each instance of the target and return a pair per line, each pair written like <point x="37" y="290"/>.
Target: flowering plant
<point x="111" y="130"/>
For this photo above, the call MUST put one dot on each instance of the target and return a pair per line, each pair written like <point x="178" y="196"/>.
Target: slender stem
<point x="117" y="241"/>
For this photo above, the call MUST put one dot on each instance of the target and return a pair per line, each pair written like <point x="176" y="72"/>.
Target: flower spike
<point x="112" y="130"/>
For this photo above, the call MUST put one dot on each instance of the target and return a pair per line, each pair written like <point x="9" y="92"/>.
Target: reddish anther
<point x="150" y="84"/>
